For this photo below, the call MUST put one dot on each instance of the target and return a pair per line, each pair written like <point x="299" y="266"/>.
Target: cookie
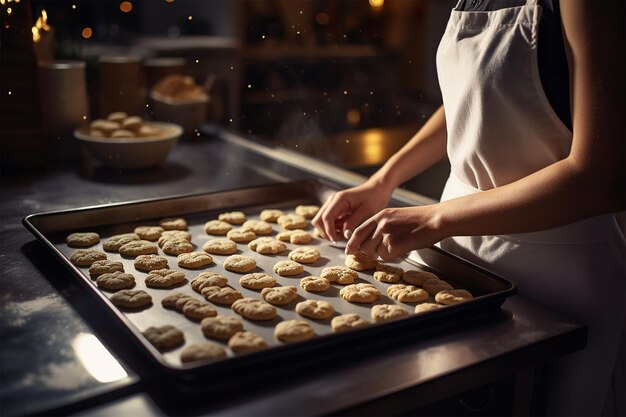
<point x="315" y="309"/>
<point x="208" y="279"/>
<point x="297" y="237"/>
<point x="233" y="217"/>
<point x="117" y="116"/>
<point x="308" y="212"/>
<point x="279" y="296"/>
<point x="114" y="243"/>
<point x="267" y="246"/>
<point x="241" y="235"/>
<point x="131" y="298"/>
<point x="150" y="262"/>
<point x="391" y="269"/>
<point x="339" y="274"/>
<point x="433" y="286"/>
<point x="220" y="246"/>
<point x="387" y="312"/>
<point x="360" y="293"/>
<point x="122" y="134"/>
<point x="288" y="268"/>
<point x="132" y="123"/>
<point x="203" y="352"/>
<point x="217" y="227"/>
<point x="173" y="234"/>
<point x="242" y="343"/>
<point x="173" y="224"/>
<point x="259" y="227"/>
<point x="254" y="309"/>
<point x="104" y="126"/>
<point x="270" y="215"/>
<point x="86" y="257"/>
<point x="198" y="310"/>
<point x="174" y="246"/>
<point x="384" y="276"/>
<point x="417" y="277"/>
<point x="169" y="301"/>
<point x="164" y="278"/>
<point x="407" y="293"/>
<point x="105" y="266"/>
<point x="424" y="307"/>
<point x="304" y="255"/>
<point x="179" y="304"/>
<point x="450" y="297"/>
<point x="221" y="327"/>
<point x="138" y="247"/>
<point x="347" y="322"/>
<point x="314" y="284"/>
<point x="164" y="337"/>
<point x="292" y="221"/>
<point x="194" y="260"/>
<point x="115" y="280"/>
<point x="82" y="240"/>
<point x="360" y="262"/>
<point x="290" y="331"/>
<point x="257" y="281"/>
<point x="221" y="295"/>
<point x="239" y="263"/>
<point x="151" y="233"/>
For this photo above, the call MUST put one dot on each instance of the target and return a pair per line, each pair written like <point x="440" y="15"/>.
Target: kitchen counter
<point x="58" y="355"/>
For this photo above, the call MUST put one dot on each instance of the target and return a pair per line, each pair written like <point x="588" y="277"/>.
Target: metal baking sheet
<point x="52" y="228"/>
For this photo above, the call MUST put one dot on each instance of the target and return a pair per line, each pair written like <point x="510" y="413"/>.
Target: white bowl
<point x="132" y="153"/>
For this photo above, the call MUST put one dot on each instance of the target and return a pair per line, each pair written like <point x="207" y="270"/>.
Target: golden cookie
<point x="246" y="342"/>
<point x="387" y="312"/>
<point x="391" y="269"/>
<point x="254" y="309"/>
<point x="424" y="307"/>
<point x="433" y="286"/>
<point x="217" y="227"/>
<point x="347" y="322"/>
<point x="151" y="233"/>
<point x="105" y="126"/>
<point x="267" y="246"/>
<point x="115" y="280"/>
<point x="259" y="227"/>
<point x="221" y="295"/>
<point x="164" y="337"/>
<point x="241" y="235"/>
<point x="175" y="246"/>
<point x="220" y="246"/>
<point x="340" y="274"/>
<point x="208" y="279"/>
<point x="384" y="276"/>
<point x="82" y="240"/>
<point x="194" y="260"/>
<point x="308" y="212"/>
<point x="138" y="247"/>
<point x="418" y="277"/>
<point x="270" y="215"/>
<point x="288" y="268"/>
<point x="114" y="243"/>
<point x="297" y="237"/>
<point x="449" y="297"/>
<point x="315" y="309"/>
<point x="304" y="255"/>
<point x="173" y="224"/>
<point x="122" y="134"/>
<point x="203" y="352"/>
<point x="164" y="278"/>
<point x="198" y="310"/>
<point x="131" y="298"/>
<point x="360" y="293"/>
<point x="360" y="262"/>
<point x="314" y="284"/>
<point x="279" y="296"/>
<point x="289" y="331"/>
<point x="407" y="293"/>
<point x="257" y="281"/>
<point x="105" y="266"/>
<point x="180" y="302"/>
<point x="233" y="217"/>
<point x="292" y="221"/>
<point x="169" y="301"/>
<point x="86" y="257"/>
<point x="150" y="262"/>
<point x="239" y="263"/>
<point x="117" y="117"/>
<point x="173" y="234"/>
<point x="221" y="327"/>
<point x="132" y="123"/>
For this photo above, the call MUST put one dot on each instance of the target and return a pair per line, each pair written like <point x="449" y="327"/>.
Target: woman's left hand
<point x="393" y="232"/>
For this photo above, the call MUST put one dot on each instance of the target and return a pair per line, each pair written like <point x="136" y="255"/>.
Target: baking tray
<point x="51" y="228"/>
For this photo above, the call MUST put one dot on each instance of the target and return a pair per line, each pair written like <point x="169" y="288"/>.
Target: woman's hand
<point x="393" y="232"/>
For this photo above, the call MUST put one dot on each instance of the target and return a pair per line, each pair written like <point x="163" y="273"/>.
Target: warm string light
<point x="41" y="25"/>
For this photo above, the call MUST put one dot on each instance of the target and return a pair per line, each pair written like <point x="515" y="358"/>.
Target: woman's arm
<point x="590" y="181"/>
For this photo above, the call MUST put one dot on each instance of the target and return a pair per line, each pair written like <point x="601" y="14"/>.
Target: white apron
<point x="501" y="128"/>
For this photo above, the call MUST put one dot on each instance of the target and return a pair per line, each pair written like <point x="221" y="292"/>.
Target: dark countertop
<point x="47" y="325"/>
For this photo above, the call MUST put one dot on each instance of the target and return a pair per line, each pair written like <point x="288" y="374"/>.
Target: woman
<point x="527" y="197"/>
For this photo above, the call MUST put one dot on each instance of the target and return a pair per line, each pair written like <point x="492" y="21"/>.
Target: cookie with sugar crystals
<point x="82" y="240"/>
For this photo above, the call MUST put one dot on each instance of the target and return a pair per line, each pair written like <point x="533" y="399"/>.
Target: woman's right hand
<point x="345" y="210"/>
